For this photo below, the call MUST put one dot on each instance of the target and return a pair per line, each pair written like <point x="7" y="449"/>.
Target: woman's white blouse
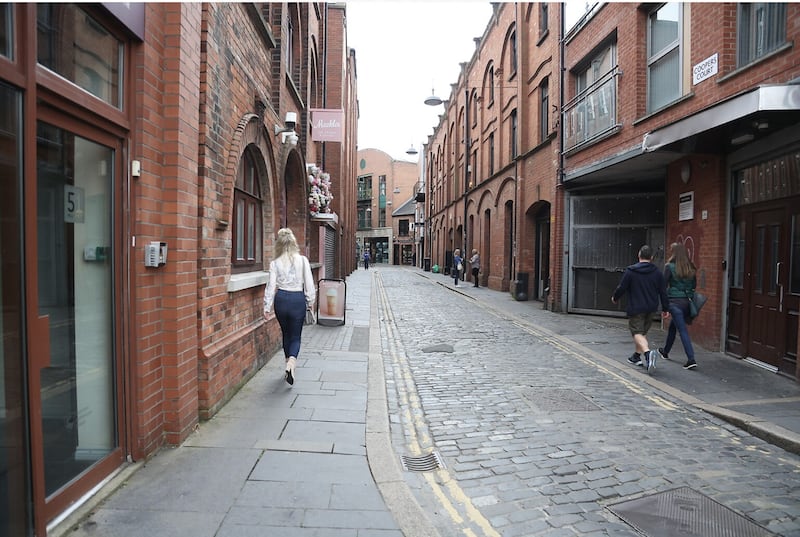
<point x="290" y="274"/>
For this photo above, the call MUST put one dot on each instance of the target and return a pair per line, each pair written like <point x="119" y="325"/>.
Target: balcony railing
<point x="592" y="113"/>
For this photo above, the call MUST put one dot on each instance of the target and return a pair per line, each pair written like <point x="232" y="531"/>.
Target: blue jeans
<point x="290" y="310"/>
<point x="679" y="310"/>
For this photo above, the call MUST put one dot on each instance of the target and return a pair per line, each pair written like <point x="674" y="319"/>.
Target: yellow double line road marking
<point x="443" y="486"/>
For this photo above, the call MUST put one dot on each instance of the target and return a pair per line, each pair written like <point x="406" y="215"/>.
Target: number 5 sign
<point x="73" y="204"/>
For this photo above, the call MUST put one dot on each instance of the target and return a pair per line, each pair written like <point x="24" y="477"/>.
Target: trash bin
<point x="426" y="264"/>
<point x="519" y="287"/>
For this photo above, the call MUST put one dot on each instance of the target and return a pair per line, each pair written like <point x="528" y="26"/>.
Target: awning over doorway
<point x="764" y="99"/>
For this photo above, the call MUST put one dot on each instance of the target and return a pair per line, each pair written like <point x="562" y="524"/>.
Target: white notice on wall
<point x="705" y="69"/>
<point x="686" y="206"/>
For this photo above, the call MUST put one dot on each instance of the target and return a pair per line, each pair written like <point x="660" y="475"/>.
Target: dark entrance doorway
<point x="765" y="284"/>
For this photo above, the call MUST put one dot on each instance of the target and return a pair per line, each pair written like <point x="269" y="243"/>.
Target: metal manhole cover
<point x="441" y="347"/>
<point x="685" y="512"/>
<point x="555" y="399"/>
<point x="423" y="463"/>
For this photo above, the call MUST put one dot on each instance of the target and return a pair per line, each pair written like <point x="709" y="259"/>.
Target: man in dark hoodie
<point x="644" y="284"/>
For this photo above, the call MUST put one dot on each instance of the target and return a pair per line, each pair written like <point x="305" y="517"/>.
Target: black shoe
<point x="663" y="354"/>
<point x="635" y="359"/>
<point x="691" y="364"/>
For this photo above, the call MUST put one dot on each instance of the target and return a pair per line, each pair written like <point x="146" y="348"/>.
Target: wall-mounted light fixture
<point x="287" y="132"/>
<point x="686" y="171"/>
<point x="742" y="137"/>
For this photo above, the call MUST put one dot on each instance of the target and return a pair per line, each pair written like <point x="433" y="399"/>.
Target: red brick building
<point x="385" y="208"/>
<point x="491" y="163"/>
<point x="680" y="125"/>
<point x="149" y="153"/>
<point x="561" y="152"/>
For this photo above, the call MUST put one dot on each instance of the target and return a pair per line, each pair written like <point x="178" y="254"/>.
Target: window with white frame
<point x="664" y="55"/>
<point x="247" y="210"/>
<point x="761" y="29"/>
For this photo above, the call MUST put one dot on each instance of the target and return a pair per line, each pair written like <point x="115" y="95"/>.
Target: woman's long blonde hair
<point x="286" y="244"/>
<point x="684" y="268"/>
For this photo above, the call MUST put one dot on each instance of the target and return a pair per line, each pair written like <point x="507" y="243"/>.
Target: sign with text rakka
<point x="326" y="125"/>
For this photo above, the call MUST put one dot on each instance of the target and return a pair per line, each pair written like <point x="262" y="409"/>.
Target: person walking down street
<point x="681" y="277"/>
<point x="475" y="265"/>
<point x="644" y="284"/>
<point x="366" y="259"/>
<point x="457" y="265"/>
<point x="291" y="291"/>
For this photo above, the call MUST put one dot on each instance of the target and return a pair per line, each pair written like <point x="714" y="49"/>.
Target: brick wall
<point x="507" y="193"/>
<point x="234" y="340"/>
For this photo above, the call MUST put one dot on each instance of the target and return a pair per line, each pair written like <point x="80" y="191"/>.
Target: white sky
<point x="403" y="50"/>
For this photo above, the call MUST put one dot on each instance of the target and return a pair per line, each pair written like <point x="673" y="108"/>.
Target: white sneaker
<point x="651" y="361"/>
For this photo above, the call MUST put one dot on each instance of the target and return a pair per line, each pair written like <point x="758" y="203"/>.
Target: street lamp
<point x="433" y="100"/>
<point x="411" y="150"/>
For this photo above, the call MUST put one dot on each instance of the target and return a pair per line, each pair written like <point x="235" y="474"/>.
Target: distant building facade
<point x="385" y="186"/>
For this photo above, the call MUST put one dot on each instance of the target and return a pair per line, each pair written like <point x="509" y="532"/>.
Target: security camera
<point x="293" y="138"/>
<point x="291" y="120"/>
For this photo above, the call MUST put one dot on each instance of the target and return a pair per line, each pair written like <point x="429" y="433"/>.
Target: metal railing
<point x="592" y="112"/>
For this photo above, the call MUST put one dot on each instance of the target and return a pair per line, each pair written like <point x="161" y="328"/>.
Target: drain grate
<point x="423" y="463"/>
<point x="441" y="347"/>
<point x="556" y="399"/>
<point x="685" y="512"/>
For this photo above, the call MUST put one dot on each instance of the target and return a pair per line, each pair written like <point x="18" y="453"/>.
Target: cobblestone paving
<point x="539" y="440"/>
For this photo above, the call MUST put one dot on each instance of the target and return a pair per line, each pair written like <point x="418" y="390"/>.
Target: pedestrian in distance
<point x="291" y="291"/>
<point x="680" y="275"/>
<point x="457" y="265"/>
<point x="475" y="265"/>
<point x="366" y="259"/>
<point x="644" y="284"/>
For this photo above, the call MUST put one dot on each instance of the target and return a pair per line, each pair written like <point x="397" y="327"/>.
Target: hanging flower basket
<point x="319" y="191"/>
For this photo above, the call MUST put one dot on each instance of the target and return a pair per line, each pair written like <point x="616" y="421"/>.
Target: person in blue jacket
<point x="644" y="284"/>
<point x="457" y="265"/>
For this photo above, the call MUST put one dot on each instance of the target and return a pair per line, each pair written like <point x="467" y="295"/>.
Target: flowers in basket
<point x="319" y="191"/>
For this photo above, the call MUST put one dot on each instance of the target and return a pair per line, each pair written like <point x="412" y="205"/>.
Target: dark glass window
<point x="74" y="45"/>
<point x="762" y="29"/>
<point x="247" y="210"/>
<point x="6" y="30"/>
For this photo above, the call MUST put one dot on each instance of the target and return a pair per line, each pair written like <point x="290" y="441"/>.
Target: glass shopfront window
<point x="74" y="177"/>
<point x="74" y="45"/>
<point x="15" y="496"/>
<point x="6" y="31"/>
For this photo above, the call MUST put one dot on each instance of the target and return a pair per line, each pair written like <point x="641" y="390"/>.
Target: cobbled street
<point x="536" y="437"/>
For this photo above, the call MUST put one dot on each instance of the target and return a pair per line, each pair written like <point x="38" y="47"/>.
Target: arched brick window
<point x="247" y="211"/>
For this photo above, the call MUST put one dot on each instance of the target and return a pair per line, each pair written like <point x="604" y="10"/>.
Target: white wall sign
<point x="705" y="69"/>
<point x="73" y="204"/>
<point x="686" y="206"/>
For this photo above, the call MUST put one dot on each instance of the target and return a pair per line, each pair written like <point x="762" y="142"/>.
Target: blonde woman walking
<point x="291" y="291"/>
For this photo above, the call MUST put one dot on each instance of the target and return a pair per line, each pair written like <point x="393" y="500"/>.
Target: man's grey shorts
<point x="640" y="323"/>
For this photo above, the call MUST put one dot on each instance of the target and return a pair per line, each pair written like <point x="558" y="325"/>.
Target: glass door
<point x="77" y="387"/>
<point x="15" y="492"/>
